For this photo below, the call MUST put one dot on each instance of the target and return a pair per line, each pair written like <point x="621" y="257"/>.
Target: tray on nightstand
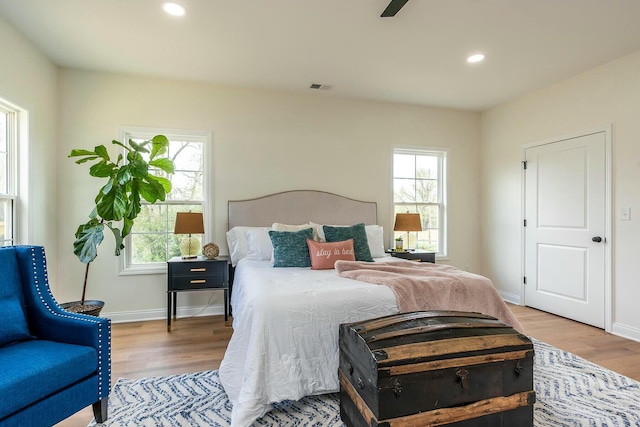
<point x="416" y="255"/>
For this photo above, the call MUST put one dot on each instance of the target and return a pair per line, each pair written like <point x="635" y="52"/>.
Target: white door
<point x="565" y="203"/>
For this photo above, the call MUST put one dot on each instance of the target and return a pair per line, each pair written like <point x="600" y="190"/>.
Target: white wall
<point x="609" y="94"/>
<point x="271" y="141"/>
<point x="264" y="142"/>
<point x="29" y="80"/>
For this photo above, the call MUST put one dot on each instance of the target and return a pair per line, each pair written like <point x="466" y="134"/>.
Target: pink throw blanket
<point x="426" y="286"/>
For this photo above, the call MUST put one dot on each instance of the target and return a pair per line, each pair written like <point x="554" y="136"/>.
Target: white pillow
<point x="237" y="242"/>
<point x="259" y="246"/>
<point x="287" y="227"/>
<point x="319" y="231"/>
<point x="375" y="237"/>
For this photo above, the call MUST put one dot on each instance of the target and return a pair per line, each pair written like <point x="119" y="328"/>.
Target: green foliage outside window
<point x="152" y="240"/>
<point x="416" y="190"/>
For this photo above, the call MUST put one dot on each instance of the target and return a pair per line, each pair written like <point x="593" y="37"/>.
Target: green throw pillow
<point x="290" y="248"/>
<point x="356" y="232"/>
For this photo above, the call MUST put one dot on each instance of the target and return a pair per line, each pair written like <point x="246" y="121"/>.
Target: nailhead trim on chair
<point x="47" y="289"/>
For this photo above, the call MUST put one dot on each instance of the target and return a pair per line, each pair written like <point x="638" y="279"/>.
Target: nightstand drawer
<point x="198" y="281"/>
<point x="198" y="268"/>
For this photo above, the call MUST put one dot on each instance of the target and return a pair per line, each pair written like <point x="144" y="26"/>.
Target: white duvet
<point x="285" y="333"/>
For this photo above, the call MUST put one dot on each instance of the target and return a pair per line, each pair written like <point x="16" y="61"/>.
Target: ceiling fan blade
<point x="393" y="8"/>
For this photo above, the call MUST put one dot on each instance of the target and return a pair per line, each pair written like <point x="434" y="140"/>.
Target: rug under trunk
<point x="570" y="391"/>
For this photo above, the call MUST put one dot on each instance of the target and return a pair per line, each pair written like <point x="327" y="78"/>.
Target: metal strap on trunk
<point x="383" y="322"/>
<point x="478" y="409"/>
<point x="443" y="416"/>
<point x="455" y="363"/>
<point x="391" y="355"/>
<point x="433" y="328"/>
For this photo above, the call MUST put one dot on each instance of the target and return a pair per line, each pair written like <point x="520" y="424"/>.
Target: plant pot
<point x="90" y="307"/>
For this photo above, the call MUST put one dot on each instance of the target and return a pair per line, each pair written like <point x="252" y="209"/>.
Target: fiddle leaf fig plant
<point x="119" y="201"/>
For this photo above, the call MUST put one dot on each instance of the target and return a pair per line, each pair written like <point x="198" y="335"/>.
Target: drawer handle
<point x="198" y="269"/>
<point x="198" y="281"/>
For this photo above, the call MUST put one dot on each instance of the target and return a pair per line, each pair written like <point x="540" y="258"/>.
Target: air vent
<point x="319" y="86"/>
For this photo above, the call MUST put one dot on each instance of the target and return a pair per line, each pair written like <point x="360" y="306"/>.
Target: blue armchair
<point x="52" y="363"/>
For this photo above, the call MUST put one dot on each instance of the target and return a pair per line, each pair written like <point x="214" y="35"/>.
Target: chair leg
<point x="100" y="410"/>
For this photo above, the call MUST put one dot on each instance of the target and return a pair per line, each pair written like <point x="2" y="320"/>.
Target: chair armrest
<point x="48" y="321"/>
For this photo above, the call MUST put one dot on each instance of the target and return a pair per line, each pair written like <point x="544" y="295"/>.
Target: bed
<point x="285" y="340"/>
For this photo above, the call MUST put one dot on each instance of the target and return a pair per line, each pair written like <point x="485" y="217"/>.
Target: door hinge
<point x="524" y="164"/>
<point x="525" y="222"/>
<point x="524" y="280"/>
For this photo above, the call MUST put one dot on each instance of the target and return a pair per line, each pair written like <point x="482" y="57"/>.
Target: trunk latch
<point x="396" y="388"/>
<point x="463" y="378"/>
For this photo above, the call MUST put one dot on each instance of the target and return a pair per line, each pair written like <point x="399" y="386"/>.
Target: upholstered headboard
<point x="299" y="207"/>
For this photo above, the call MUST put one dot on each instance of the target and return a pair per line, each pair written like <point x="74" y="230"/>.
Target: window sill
<point x="142" y="270"/>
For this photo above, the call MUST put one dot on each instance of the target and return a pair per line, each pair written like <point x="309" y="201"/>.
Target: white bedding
<point x="285" y="339"/>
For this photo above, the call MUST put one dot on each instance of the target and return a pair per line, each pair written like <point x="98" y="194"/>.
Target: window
<point x="8" y="137"/>
<point x="419" y="186"/>
<point x="152" y="242"/>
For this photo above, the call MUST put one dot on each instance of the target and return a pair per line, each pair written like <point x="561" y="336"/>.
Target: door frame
<point x="608" y="289"/>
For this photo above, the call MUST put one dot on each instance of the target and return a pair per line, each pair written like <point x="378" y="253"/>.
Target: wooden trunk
<point x="435" y="368"/>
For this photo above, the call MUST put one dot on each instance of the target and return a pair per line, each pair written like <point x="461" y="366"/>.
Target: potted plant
<point x="399" y="244"/>
<point x="118" y="202"/>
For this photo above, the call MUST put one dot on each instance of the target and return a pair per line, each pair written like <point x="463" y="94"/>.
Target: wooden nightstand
<point x="199" y="274"/>
<point x="422" y="256"/>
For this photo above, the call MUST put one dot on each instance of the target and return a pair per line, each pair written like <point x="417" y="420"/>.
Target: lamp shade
<point x="189" y="223"/>
<point x="407" y="222"/>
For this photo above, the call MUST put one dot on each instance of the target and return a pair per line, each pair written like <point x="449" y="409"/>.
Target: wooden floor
<point x="143" y="349"/>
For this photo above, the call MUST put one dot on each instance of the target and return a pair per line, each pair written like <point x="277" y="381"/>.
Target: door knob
<point x="597" y="239"/>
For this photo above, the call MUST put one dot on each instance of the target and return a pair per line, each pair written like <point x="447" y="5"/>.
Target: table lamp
<point x="189" y="223"/>
<point x="407" y="222"/>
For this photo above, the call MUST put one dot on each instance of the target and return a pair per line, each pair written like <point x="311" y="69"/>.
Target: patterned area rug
<point x="570" y="391"/>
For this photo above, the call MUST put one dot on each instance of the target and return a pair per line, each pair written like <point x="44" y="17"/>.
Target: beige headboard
<point x="299" y="207"/>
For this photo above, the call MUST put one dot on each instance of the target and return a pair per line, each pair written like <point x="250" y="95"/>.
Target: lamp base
<point x="189" y="248"/>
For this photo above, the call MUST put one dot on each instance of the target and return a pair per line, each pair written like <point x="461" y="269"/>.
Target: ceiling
<point x="416" y="57"/>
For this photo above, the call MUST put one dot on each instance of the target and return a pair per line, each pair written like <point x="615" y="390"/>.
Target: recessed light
<point x="476" y="58"/>
<point x="174" y="9"/>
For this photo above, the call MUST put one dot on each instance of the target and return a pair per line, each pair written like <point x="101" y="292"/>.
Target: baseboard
<point x="509" y="297"/>
<point x="142" y="315"/>
<point x="625" y="331"/>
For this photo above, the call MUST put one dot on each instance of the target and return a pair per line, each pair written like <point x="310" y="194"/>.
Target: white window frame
<point x="135" y="132"/>
<point x="443" y="180"/>
<point x="13" y="117"/>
